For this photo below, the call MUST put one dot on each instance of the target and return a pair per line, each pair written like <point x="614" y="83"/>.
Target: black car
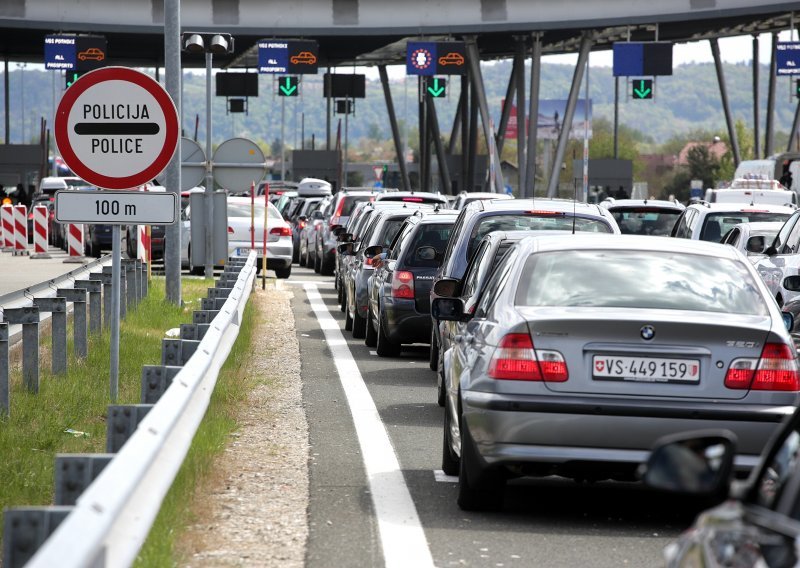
<point x="399" y="299"/>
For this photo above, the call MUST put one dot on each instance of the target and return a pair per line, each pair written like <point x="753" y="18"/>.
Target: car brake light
<point x="301" y="224"/>
<point x="281" y="231"/>
<point x="230" y="230"/>
<point x="413" y="199"/>
<point x="403" y="284"/>
<point x="516" y="359"/>
<point x="775" y="370"/>
<point x="368" y="260"/>
<point x="543" y="213"/>
<point x="335" y="217"/>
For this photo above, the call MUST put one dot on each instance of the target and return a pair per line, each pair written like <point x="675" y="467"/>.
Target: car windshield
<point x="646" y="220"/>
<point x="639" y="279"/>
<point x="717" y="224"/>
<point x="532" y="222"/>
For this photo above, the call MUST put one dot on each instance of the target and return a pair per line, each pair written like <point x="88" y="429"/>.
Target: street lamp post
<point x="208" y="44"/>
<point x="22" y="67"/>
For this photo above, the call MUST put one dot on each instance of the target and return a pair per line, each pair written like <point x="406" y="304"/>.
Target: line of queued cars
<point x="635" y="339"/>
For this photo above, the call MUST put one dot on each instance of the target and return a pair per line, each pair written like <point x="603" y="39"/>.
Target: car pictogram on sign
<point x="451" y="58"/>
<point x="92" y="53"/>
<point x="304" y="58"/>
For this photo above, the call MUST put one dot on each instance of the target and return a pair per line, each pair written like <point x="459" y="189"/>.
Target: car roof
<point x="740" y="207"/>
<point x="648" y="243"/>
<point x="639" y="203"/>
<point x="545" y="204"/>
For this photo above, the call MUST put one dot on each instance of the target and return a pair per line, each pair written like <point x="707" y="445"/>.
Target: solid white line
<point x="402" y="537"/>
<point x="441" y="477"/>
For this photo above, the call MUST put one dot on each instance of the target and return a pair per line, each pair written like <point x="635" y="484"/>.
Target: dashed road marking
<point x="442" y="477"/>
<point x="402" y="537"/>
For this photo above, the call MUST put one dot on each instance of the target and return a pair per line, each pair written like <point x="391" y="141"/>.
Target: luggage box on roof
<point x="312" y="187"/>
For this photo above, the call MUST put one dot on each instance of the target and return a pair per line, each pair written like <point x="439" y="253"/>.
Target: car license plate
<point x="645" y="369"/>
<point x="242" y="251"/>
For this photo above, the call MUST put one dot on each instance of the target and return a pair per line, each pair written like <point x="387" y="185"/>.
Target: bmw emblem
<point x="648" y="332"/>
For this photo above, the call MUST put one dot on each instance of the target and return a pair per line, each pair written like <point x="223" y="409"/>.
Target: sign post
<point x="117" y="129"/>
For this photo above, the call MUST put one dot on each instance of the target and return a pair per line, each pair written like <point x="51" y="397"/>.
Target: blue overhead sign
<point x="642" y="59"/>
<point x="74" y="53"/>
<point x="430" y="58"/>
<point x="288" y="57"/>
<point x="787" y="57"/>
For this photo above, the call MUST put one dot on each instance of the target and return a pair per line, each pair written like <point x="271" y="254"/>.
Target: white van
<point x="753" y="192"/>
<point x="773" y="167"/>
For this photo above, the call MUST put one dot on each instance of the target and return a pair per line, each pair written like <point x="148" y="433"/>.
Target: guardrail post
<point x="176" y="352"/>
<point x="5" y="385"/>
<point x="122" y="423"/>
<point x="93" y="287"/>
<point x="219" y="292"/>
<point x="226" y="280"/>
<point x="29" y="318"/>
<point x="196" y="331"/>
<point x="204" y="316"/>
<point x="74" y="473"/>
<point x="131" y="282"/>
<point x="25" y="529"/>
<point x="212" y="303"/>
<point x="79" y="331"/>
<point x="156" y="379"/>
<point x="145" y="280"/>
<point x="58" y="331"/>
<point x="140" y="279"/>
<point x="107" y="295"/>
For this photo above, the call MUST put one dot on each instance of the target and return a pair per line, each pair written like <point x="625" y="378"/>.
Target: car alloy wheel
<point x="450" y="461"/>
<point x="384" y="346"/>
<point x="433" y="358"/>
<point x="371" y="335"/>
<point x="478" y="490"/>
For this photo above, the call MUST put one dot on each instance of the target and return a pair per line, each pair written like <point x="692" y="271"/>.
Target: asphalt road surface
<point x="360" y="480"/>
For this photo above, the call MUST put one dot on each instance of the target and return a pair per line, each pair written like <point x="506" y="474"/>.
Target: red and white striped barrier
<point x="20" y="229"/>
<point x="143" y="243"/>
<point x="40" y="214"/>
<point x="75" y="240"/>
<point x="7" y="220"/>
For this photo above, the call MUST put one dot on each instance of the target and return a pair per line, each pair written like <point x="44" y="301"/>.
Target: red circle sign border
<point x="116" y="74"/>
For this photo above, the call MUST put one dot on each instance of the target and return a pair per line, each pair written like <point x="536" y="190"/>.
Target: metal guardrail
<point x="113" y="516"/>
<point x="47" y="289"/>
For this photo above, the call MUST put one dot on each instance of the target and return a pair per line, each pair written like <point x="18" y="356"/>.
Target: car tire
<point x="450" y="461"/>
<point x="371" y="335"/>
<point x="95" y="248"/>
<point x="441" y="389"/>
<point x="195" y="270"/>
<point x="359" y="325"/>
<point x="326" y="267"/>
<point x="296" y="255"/>
<point x="317" y="264"/>
<point x="477" y="490"/>
<point x="302" y="257"/>
<point x="348" y="321"/>
<point x="433" y="357"/>
<point x="284" y="272"/>
<point x="340" y="297"/>
<point x="384" y="346"/>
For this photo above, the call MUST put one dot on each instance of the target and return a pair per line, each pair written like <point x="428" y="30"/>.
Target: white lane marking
<point x="441" y="477"/>
<point x="402" y="536"/>
<point x="308" y="283"/>
<point x="373" y="353"/>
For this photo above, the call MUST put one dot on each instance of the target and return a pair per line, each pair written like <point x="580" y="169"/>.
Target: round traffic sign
<point x="238" y="162"/>
<point x="193" y="165"/>
<point x="116" y="128"/>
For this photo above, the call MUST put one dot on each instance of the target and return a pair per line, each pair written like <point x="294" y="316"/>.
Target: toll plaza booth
<point x="21" y="164"/>
<point x="607" y="178"/>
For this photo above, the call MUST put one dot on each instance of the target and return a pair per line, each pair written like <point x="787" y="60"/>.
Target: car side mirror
<point x="345" y="249"/>
<point x="373" y="250"/>
<point x="345" y="237"/>
<point x="698" y="463"/>
<point x="755" y="244"/>
<point x="448" y="309"/>
<point x="792" y="283"/>
<point x="426" y="253"/>
<point x="446" y="287"/>
<point x="788" y="320"/>
<point x="317" y="215"/>
<point x="337" y="230"/>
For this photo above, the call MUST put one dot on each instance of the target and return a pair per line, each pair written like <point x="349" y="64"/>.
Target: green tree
<point x="701" y="164"/>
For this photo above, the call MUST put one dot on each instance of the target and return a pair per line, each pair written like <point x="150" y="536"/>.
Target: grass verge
<point x="232" y="388"/>
<point x="35" y="430"/>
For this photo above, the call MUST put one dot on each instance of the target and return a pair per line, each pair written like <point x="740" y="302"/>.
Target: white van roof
<point x="313" y="187"/>
<point x="752" y="196"/>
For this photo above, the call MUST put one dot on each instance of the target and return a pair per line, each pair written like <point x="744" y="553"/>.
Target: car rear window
<point x="639" y="279"/>
<point x="646" y="220"/>
<point x="429" y="234"/>
<point x="243" y="210"/>
<point x="350" y="202"/>
<point x="717" y="224"/>
<point x="532" y="222"/>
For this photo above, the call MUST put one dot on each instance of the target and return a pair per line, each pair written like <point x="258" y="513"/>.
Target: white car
<point x="782" y="260"/>
<point x="709" y="221"/>
<point x="752" y="239"/>
<point x="279" y="241"/>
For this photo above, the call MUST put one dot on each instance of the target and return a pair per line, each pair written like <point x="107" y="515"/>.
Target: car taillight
<point x="403" y="284"/>
<point x="515" y="359"/>
<point x="281" y="231"/>
<point x="301" y="224"/>
<point x="775" y="370"/>
<point x="230" y="230"/>
<point x="337" y="214"/>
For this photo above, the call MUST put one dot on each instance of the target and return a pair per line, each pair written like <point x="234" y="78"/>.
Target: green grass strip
<point x="35" y="430"/>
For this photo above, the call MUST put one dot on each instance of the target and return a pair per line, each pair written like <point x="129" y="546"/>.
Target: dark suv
<point x="399" y="297"/>
<point x="337" y="214"/>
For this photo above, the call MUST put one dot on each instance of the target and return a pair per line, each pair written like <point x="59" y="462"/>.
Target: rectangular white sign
<point x="104" y="207"/>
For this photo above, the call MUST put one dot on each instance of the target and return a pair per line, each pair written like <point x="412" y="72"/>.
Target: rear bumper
<point x="404" y="323"/>
<point x="516" y="429"/>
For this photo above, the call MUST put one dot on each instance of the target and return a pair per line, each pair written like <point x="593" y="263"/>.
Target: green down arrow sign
<point x="438" y="89"/>
<point x="643" y="89"/>
<point x="288" y="88"/>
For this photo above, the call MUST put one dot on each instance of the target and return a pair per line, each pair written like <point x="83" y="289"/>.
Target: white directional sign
<point x="116" y="207"/>
<point x="116" y="128"/>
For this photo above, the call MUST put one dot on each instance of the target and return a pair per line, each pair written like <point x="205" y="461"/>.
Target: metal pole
<point x="172" y="78"/>
<point x="328" y="117"/>
<point x="773" y="65"/>
<point x="508" y="103"/>
<point x="473" y="138"/>
<point x="423" y="134"/>
<point x="7" y="103"/>
<point x="398" y="143"/>
<point x="116" y="255"/>
<point x="209" y="192"/>
<point x="585" y="184"/>
<point x="533" y="114"/>
<point x="438" y="146"/>
<point x="756" y="121"/>
<point x="454" y="132"/>
<point x="465" y="133"/>
<point x="616" y="118"/>
<point x="793" y="131"/>
<point x="283" y="140"/>
<point x="569" y="113"/>
<point x="346" y="132"/>
<point x="521" y="134"/>
<point x="726" y="107"/>
<point x="5" y="402"/>
<point x="473" y="58"/>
